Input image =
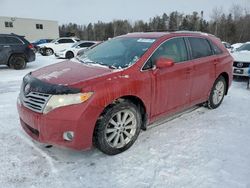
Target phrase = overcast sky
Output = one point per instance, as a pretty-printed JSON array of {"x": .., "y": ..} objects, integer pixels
[{"x": 85, "y": 11}]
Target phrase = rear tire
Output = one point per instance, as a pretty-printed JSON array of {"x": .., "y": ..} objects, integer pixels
[
  {"x": 49, "y": 51},
  {"x": 17, "y": 62},
  {"x": 117, "y": 128},
  {"x": 217, "y": 93},
  {"x": 69, "y": 55}
]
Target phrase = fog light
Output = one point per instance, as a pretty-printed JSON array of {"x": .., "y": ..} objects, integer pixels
[{"x": 69, "y": 135}]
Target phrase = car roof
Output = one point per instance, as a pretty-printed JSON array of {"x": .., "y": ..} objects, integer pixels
[
  {"x": 10, "y": 35},
  {"x": 157, "y": 35}
]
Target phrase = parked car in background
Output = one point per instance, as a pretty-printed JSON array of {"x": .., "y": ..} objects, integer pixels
[
  {"x": 227, "y": 46},
  {"x": 236, "y": 46},
  {"x": 15, "y": 51},
  {"x": 241, "y": 57},
  {"x": 40, "y": 41},
  {"x": 57, "y": 45},
  {"x": 121, "y": 86},
  {"x": 82, "y": 51},
  {"x": 71, "y": 52}
]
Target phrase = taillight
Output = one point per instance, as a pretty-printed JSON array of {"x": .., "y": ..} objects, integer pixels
[{"x": 31, "y": 46}]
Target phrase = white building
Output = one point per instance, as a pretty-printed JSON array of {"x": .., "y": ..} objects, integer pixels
[{"x": 32, "y": 29}]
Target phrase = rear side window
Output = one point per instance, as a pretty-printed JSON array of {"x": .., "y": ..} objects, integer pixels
[
  {"x": 13, "y": 40},
  {"x": 199, "y": 47},
  {"x": 86, "y": 44}
]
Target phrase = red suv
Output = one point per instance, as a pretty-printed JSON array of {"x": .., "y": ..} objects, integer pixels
[{"x": 122, "y": 86}]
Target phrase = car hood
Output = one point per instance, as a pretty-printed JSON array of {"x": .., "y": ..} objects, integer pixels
[
  {"x": 70, "y": 73},
  {"x": 241, "y": 56}
]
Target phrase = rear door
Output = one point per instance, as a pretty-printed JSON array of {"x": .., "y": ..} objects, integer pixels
[
  {"x": 4, "y": 50},
  {"x": 204, "y": 68},
  {"x": 171, "y": 85}
]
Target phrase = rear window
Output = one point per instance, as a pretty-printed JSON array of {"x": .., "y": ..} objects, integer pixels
[
  {"x": 199, "y": 47},
  {"x": 13, "y": 40}
]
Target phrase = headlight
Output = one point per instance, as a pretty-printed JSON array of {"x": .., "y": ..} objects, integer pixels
[
  {"x": 64, "y": 100},
  {"x": 63, "y": 50}
]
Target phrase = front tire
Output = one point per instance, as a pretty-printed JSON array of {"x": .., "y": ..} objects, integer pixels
[
  {"x": 117, "y": 128},
  {"x": 69, "y": 55},
  {"x": 217, "y": 93}
]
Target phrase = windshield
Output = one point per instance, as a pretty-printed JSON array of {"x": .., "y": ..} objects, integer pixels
[
  {"x": 75, "y": 44},
  {"x": 53, "y": 41},
  {"x": 244, "y": 47},
  {"x": 118, "y": 52}
]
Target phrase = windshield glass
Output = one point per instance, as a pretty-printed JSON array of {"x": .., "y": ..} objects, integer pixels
[
  {"x": 118, "y": 52},
  {"x": 53, "y": 41},
  {"x": 75, "y": 44},
  {"x": 244, "y": 47}
]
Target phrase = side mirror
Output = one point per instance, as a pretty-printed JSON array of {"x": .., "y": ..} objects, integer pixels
[
  {"x": 56, "y": 43},
  {"x": 163, "y": 62}
]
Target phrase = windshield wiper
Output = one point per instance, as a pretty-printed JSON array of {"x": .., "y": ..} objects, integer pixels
[{"x": 96, "y": 62}]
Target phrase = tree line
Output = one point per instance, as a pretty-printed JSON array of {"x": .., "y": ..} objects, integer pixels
[{"x": 232, "y": 27}]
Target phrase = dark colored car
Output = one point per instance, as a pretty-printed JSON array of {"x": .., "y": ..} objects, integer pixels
[
  {"x": 121, "y": 86},
  {"x": 15, "y": 51}
]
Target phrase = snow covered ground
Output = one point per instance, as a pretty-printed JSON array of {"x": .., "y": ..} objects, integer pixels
[{"x": 201, "y": 148}]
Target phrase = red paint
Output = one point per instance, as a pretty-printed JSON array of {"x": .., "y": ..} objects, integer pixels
[{"x": 164, "y": 90}]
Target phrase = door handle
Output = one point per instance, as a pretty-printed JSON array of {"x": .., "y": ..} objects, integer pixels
[
  {"x": 216, "y": 61},
  {"x": 6, "y": 46}
]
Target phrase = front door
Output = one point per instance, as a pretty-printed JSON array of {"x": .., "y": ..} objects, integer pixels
[{"x": 171, "y": 85}]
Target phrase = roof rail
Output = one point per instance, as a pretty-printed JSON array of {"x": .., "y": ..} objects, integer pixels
[{"x": 193, "y": 32}]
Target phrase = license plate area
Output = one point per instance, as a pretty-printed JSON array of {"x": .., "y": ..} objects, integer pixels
[{"x": 238, "y": 71}]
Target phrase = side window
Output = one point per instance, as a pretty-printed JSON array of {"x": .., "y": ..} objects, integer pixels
[
  {"x": 13, "y": 40},
  {"x": 2, "y": 41},
  {"x": 174, "y": 49},
  {"x": 199, "y": 47},
  {"x": 216, "y": 49},
  {"x": 59, "y": 41},
  {"x": 66, "y": 41},
  {"x": 86, "y": 44}
]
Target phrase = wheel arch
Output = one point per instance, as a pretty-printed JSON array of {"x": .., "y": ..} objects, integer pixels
[
  {"x": 226, "y": 77},
  {"x": 16, "y": 54},
  {"x": 135, "y": 100}
]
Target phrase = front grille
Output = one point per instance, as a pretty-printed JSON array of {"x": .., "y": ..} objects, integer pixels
[
  {"x": 35, "y": 101},
  {"x": 241, "y": 64}
]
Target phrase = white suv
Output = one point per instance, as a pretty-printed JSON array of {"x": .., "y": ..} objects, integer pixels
[
  {"x": 72, "y": 51},
  {"x": 241, "y": 66},
  {"x": 57, "y": 45}
]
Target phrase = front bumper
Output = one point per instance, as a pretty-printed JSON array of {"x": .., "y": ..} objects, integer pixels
[
  {"x": 241, "y": 71},
  {"x": 60, "y": 54},
  {"x": 49, "y": 128}
]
